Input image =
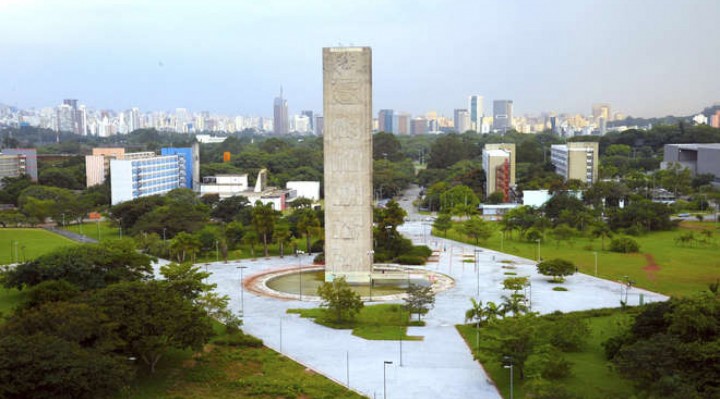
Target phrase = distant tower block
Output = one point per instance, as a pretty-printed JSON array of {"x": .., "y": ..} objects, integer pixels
[{"x": 347, "y": 105}]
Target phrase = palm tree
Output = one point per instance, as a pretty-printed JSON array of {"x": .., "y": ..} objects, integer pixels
[
  {"x": 515, "y": 304},
  {"x": 603, "y": 231},
  {"x": 263, "y": 220},
  {"x": 493, "y": 311},
  {"x": 282, "y": 235},
  {"x": 250, "y": 238},
  {"x": 308, "y": 224},
  {"x": 476, "y": 313}
]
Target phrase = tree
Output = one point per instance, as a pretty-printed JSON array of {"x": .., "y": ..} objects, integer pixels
[
  {"x": 282, "y": 235},
  {"x": 185, "y": 246},
  {"x": 38, "y": 210},
  {"x": 443, "y": 223},
  {"x": 88, "y": 266},
  {"x": 387, "y": 147},
  {"x": 263, "y": 219},
  {"x": 447, "y": 150},
  {"x": 477, "y": 228},
  {"x": 514, "y": 304},
  {"x": 563, "y": 232},
  {"x": 186, "y": 279},
  {"x": 624, "y": 245},
  {"x": 308, "y": 225},
  {"x": 340, "y": 300},
  {"x": 152, "y": 318},
  {"x": 517, "y": 341},
  {"x": 419, "y": 299},
  {"x": 557, "y": 268},
  {"x": 227, "y": 209},
  {"x": 602, "y": 231},
  {"x": 45, "y": 366},
  {"x": 476, "y": 313},
  {"x": 515, "y": 284}
]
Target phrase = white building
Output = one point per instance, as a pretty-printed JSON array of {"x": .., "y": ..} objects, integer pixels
[
  {"x": 144, "y": 174},
  {"x": 225, "y": 186},
  {"x": 305, "y": 189},
  {"x": 208, "y": 139}
]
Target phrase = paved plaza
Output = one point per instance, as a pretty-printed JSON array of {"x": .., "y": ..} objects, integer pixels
[{"x": 440, "y": 365}]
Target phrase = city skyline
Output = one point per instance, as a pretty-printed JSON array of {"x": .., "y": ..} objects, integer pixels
[{"x": 230, "y": 58}]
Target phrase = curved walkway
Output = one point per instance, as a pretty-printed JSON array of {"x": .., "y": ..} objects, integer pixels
[{"x": 441, "y": 365}]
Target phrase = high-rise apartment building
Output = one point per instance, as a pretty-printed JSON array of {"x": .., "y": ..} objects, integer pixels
[
  {"x": 502, "y": 115},
  {"x": 385, "y": 120},
  {"x": 499, "y": 166},
  {"x": 601, "y": 111},
  {"x": 280, "y": 115},
  {"x": 576, "y": 160},
  {"x": 418, "y": 126},
  {"x": 28, "y": 158},
  {"x": 401, "y": 124},
  {"x": 97, "y": 165},
  {"x": 461, "y": 120},
  {"x": 191, "y": 164},
  {"x": 475, "y": 107}
]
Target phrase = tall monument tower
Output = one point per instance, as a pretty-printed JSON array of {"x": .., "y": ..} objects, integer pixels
[{"x": 347, "y": 107}]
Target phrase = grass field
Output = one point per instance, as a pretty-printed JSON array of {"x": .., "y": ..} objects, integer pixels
[
  {"x": 682, "y": 270},
  {"x": 376, "y": 322},
  {"x": 232, "y": 368},
  {"x": 591, "y": 376},
  {"x": 105, "y": 230},
  {"x": 31, "y": 243}
]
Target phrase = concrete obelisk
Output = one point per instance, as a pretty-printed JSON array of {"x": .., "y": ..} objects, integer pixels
[{"x": 347, "y": 108}]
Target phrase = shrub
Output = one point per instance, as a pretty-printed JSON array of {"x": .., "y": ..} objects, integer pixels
[
  {"x": 410, "y": 260},
  {"x": 548, "y": 363},
  {"x": 624, "y": 245},
  {"x": 319, "y": 258},
  {"x": 318, "y": 246},
  {"x": 239, "y": 339},
  {"x": 420, "y": 250},
  {"x": 559, "y": 289}
]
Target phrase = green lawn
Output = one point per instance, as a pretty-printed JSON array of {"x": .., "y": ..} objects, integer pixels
[
  {"x": 232, "y": 368},
  {"x": 376, "y": 322},
  {"x": 591, "y": 376},
  {"x": 31, "y": 243},
  {"x": 90, "y": 229},
  {"x": 682, "y": 270}
]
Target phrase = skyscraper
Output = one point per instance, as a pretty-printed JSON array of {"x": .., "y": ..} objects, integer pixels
[
  {"x": 309, "y": 114},
  {"x": 475, "y": 107},
  {"x": 462, "y": 120},
  {"x": 385, "y": 120},
  {"x": 601, "y": 111},
  {"x": 280, "y": 115},
  {"x": 502, "y": 115}
]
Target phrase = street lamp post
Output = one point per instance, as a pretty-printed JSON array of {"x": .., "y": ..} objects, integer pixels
[
  {"x": 477, "y": 271},
  {"x": 242, "y": 291},
  {"x": 385, "y": 363},
  {"x": 371, "y": 255},
  {"x": 596, "y": 267},
  {"x": 299, "y": 252},
  {"x": 511, "y": 380},
  {"x": 502, "y": 242},
  {"x": 538, "y": 251},
  {"x": 217, "y": 253},
  {"x": 164, "y": 237}
]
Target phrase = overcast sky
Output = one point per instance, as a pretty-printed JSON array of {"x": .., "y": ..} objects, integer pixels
[{"x": 644, "y": 57}]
